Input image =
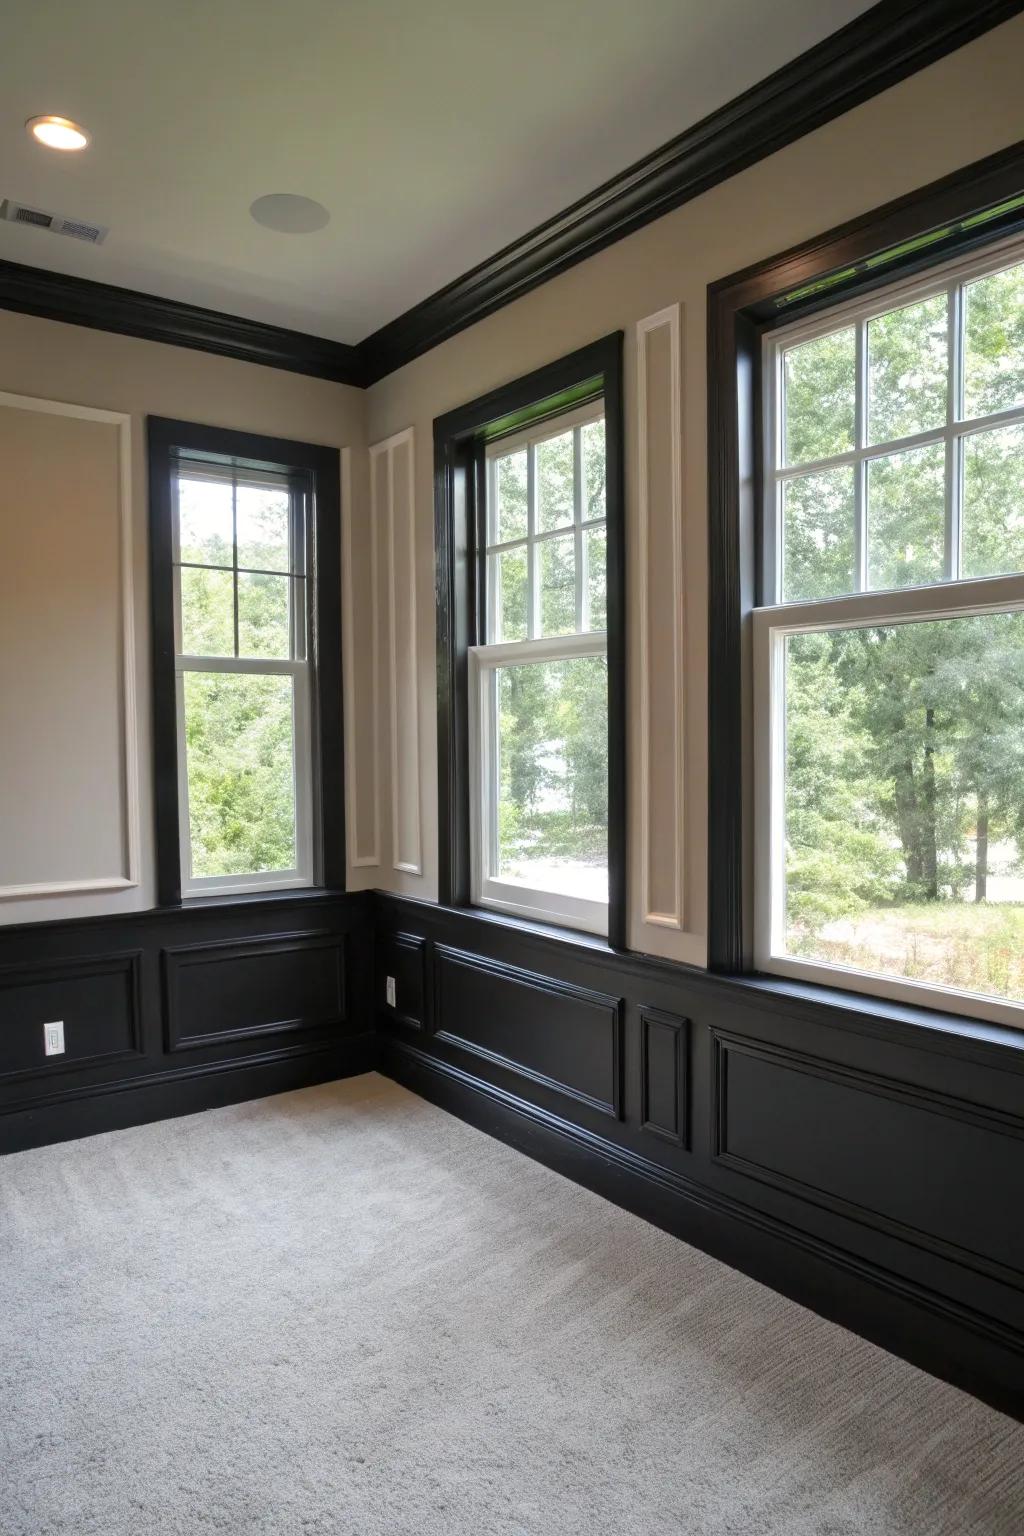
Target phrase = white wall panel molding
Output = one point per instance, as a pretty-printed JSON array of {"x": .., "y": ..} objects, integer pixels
[
  {"x": 393, "y": 460},
  {"x": 661, "y": 618},
  {"x": 129, "y": 875},
  {"x": 361, "y": 621}
]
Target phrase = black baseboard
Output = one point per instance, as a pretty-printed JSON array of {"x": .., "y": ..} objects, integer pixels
[
  {"x": 951, "y": 1342},
  {"x": 167, "y": 1095}
]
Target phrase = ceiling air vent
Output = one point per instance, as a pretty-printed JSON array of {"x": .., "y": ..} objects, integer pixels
[{"x": 58, "y": 224}]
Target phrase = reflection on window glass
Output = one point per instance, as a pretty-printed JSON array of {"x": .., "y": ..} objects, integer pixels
[
  {"x": 555, "y": 494},
  {"x": 207, "y": 612},
  {"x": 907, "y": 370},
  {"x": 264, "y": 615},
  {"x": 507, "y": 595},
  {"x": 263, "y": 517},
  {"x": 906, "y": 517},
  {"x": 594, "y": 470},
  {"x": 558, "y": 585},
  {"x": 994, "y": 343},
  {"x": 509, "y": 516},
  {"x": 553, "y": 776},
  {"x": 205, "y": 535},
  {"x": 993, "y": 514},
  {"x": 904, "y": 758},
  {"x": 820, "y": 397},
  {"x": 596, "y": 541},
  {"x": 239, "y": 743},
  {"x": 818, "y": 535}
]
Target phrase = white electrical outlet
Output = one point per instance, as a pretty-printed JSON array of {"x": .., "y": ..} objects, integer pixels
[
  {"x": 391, "y": 993},
  {"x": 53, "y": 1038}
]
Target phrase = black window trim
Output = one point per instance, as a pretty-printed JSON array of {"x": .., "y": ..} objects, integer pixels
[
  {"x": 459, "y": 441},
  {"x": 742, "y": 308},
  {"x": 168, "y": 439}
]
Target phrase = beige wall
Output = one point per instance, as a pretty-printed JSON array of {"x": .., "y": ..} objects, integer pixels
[
  {"x": 65, "y": 810},
  {"x": 958, "y": 110}
]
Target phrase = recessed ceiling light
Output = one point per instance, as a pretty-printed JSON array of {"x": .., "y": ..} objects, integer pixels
[
  {"x": 58, "y": 132},
  {"x": 289, "y": 214}
]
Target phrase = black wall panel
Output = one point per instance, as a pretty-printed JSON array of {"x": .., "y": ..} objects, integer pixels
[
  {"x": 562, "y": 1037},
  {"x": 882, "y": 1151},
  {"x": 231, "y": 990},
  {"x": 869, "y": 1165},
  {"x": 169, "y": 1011},
  {"x": 97, "y": 1000}
]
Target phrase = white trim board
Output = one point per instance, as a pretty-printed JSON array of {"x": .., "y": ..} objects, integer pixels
[
  {"x": 353, "y": 715},
  {"x": 668, "y": 396},
  {"x": 130, "y": 874},
  {"x": 406, "y": 788}
]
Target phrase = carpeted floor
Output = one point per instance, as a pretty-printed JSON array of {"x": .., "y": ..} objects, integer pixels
[{"x": 343, "y": 1311}]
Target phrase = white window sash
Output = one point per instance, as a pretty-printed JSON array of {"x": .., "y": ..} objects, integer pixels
[
  {"x": 949, "y": 278},
  {"x": 304, "y": 873},
  {"x": 771, "y": 627},
  {"x": 487, "y": 889}
]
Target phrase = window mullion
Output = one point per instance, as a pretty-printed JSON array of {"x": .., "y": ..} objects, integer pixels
[
  {"x": 532, "y": 567},
  {"x": 954, "y": 440},
  {"x": 860, "y": 471},
  {"x": 234, "y": 553},
  {"x": 577, "y": 528}
]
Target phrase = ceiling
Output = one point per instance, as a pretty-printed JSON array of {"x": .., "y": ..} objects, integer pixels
[{"x": 434, "y": 133}]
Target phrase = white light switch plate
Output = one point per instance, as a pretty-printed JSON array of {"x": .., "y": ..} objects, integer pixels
[
  {"x": 53, "y": 1038},
  {"x": 391, "y": 993}
]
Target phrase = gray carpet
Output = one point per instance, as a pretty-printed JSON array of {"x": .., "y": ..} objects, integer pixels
[{"x": 342, "y": 1311}]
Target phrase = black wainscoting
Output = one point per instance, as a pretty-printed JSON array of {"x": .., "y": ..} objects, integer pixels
[
  {"x": 179, "y": 1009},
  {"x": 866, "y": 1163}
]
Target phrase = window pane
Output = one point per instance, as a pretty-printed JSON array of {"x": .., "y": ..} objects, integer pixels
[
  {"x": 555, "y": 482},
  {"x": 994, "y": 343},
  {"x": 907, "y": 370},
  {"x": 820, "y": 397},
  {"x": 994, "y": 502},
  {"x": 818, "y": 535},
  {"x": 906, "y": 517},
  {"x": 904, "y": 761},
  {"x": 552, "y": 797},
  {"x": 596, "y": 547},
  {"x": 506, "y": 595},
  {"x": 207, "y": 612},
  {"x": 204, "y": 521},
  {"x": 263, "y": 527},
  {"x": 240, "y": 744},
  {"x": 509, "y": 516},
  {"x": 557, "y": 585},
  {"x": 264, "y": 615},
  {"x": 593, "y": 441}
]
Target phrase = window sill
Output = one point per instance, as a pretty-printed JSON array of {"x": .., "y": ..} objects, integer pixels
[
  {"x": 840, "y": 1005},
  {"x": 281, "y": 896}
]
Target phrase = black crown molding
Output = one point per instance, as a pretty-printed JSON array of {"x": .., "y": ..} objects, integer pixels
[
  {"x": 887, "y": 43},
  {"x": 884, "y": 45},
  {"x": 103, "y": 307}
]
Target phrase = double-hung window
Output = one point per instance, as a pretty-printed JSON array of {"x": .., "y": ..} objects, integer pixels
[
  {"x": 245, "y": 565},
  {"x": 539, "y": 681},
  {"x": 243, "y": 678},
  {"x": 889, "y": 650}
]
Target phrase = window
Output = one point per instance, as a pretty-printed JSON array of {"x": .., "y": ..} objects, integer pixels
[
  {"x": 889, "y": 655},
  {"x": 531, "y": 656},
  {"x": 235, "y": 567},
  {"x": 539, "y": 685}
]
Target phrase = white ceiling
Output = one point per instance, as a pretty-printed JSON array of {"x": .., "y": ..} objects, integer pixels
[{"x": 435, "y": 131}]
